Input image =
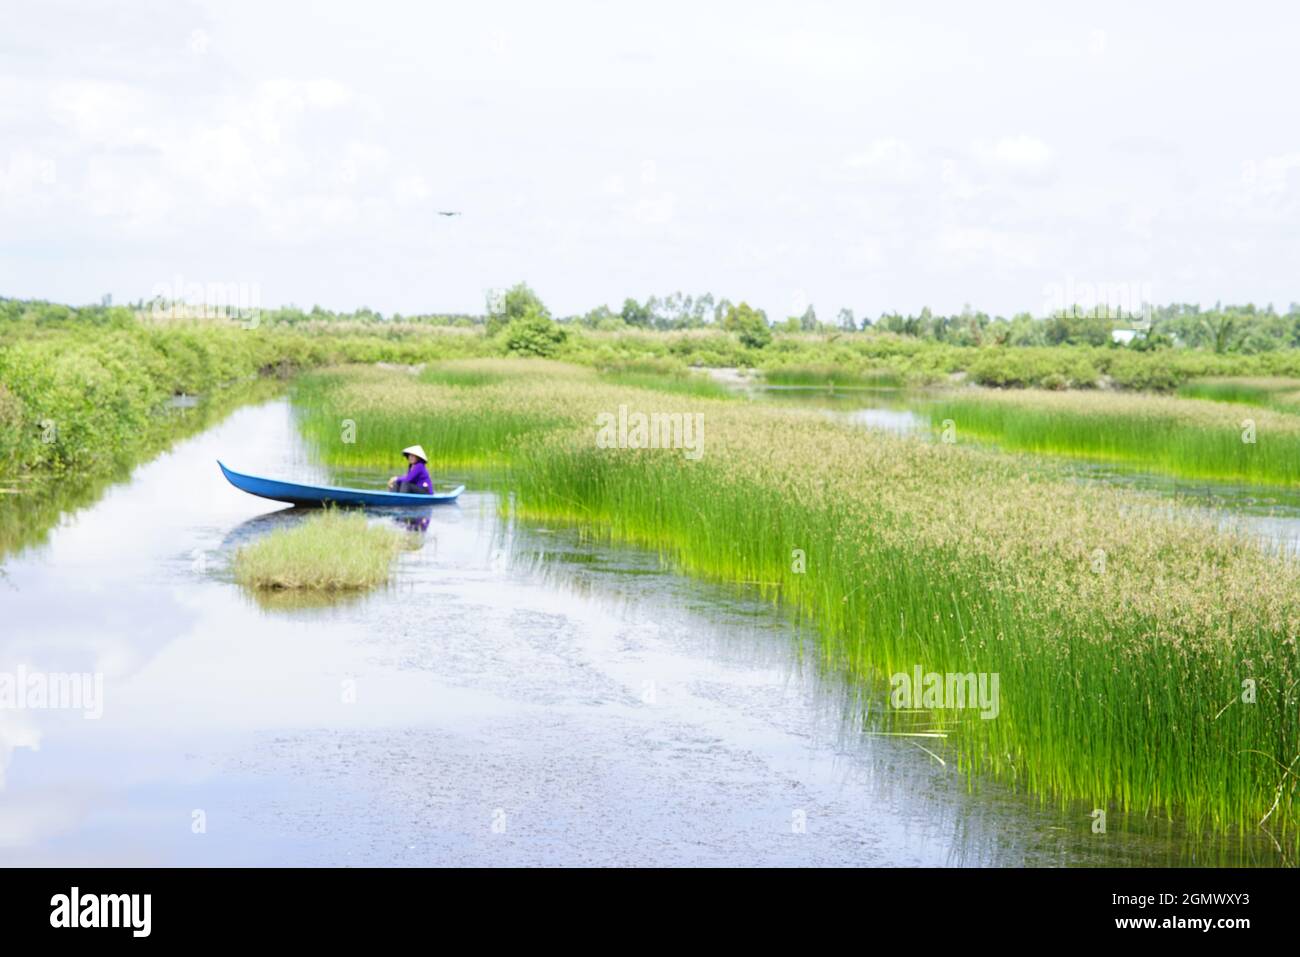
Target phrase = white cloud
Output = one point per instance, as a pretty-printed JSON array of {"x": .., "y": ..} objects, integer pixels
[
  {"x": 886, "y": 157},
  {"x": 652, "y": 210},
  {"x": 411, "y": 189},
  {"x": 990, "y": 247},
  {"x": 106, "y": 114},
  {"x": 1271, "y": 175},
  {"x": 1021, "y": 154},
  {"x": 868, "y": 252}
]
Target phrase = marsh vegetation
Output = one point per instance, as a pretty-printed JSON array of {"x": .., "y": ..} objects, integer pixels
[
  {"x": 1122, "y": 656},
  {"x": 327, "y": 551},
  {"x": 1147, "y": 658}
]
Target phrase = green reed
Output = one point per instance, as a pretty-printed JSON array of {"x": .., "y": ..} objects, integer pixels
[
  {"x": 1121, "y": 687},
  {"x": 1148, "y": 433},
  {"x": 329, "y": 551}
]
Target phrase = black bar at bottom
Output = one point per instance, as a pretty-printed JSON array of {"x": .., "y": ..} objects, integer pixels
[{"x": 334, "y": 907}]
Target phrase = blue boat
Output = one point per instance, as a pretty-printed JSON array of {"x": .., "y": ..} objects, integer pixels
[{"x": 330, "y": 495}]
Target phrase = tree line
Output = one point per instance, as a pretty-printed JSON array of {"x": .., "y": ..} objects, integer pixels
[{"x": 1220, "y": 329}]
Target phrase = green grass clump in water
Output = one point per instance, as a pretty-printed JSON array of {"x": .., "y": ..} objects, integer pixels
[
  {"x": 1174, "y": 436},
  {"x": 329, "y": 551},
  {"x": 1120, "y": 684}
]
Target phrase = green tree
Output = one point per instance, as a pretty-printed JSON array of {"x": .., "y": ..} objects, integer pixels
[
  {"x": 598, "y": 316},
  {"x": 1079, "y": 327},
  {"x": 635, "y": 314},
  {"x": 750, "y": 325},
  {"x": 702, "y": 311},
  {"x": 1025, "y": 330},
  {"x": 515, "y": 303},
  {"x": 1225, "y": 329},
  {"x": 534, "y": 334}
]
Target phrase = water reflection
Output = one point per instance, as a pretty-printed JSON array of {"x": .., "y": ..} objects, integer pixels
[
  {"x": 30, "y": 507},
  {"x": 1269, "y": 515},
  {"x": 980, "y": 823},
  {"x": 413, "y": 519},
  {"x": 407, "y": 519},
  {"x": 890, "y": 410}
]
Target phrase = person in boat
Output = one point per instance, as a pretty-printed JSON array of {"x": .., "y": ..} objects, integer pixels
[{"x": 416, "y": 480}]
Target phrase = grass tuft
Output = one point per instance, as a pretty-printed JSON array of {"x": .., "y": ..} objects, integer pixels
[{"x": 329, "y": 551}]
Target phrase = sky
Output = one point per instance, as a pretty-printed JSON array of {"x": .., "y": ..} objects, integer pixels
[{"x": 874, "y": 156}]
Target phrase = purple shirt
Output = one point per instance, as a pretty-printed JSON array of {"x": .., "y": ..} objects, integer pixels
[{"x": 420, "y": 476}]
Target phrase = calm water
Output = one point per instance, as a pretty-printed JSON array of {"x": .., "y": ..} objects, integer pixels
[{"x": 522, "y": 695}]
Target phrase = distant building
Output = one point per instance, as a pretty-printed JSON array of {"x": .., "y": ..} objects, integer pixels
[{"x": 1123, "y": 336}]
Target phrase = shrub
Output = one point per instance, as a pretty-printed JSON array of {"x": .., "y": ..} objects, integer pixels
[
  {"x": 1148, "y": 371},
  {"x": 518, "y": 302},
  {"x": 534, "y": 335}
]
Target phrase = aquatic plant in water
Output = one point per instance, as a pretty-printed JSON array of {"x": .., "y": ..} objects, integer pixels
[{"x": 1146, "y": 661}]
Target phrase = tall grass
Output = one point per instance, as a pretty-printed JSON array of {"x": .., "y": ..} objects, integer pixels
[
  {"x": 1277, "y": 393},
  {"x": 1183, "y": 437},
  {"x": 1120, "y": 684},
  {"x": 473, "y": 372},
  {"x": 328, "y": 551},
  {"x": 833, "y": 376},
  {"x": 697, "y": 386},
  {"x": 468, "y": 425},
  {"x": 664, "y": 376},
  {"x": 364, "y": 417}
]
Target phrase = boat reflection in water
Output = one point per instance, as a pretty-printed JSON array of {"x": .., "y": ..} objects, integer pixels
[
  {"x": 414, "y": 520},
  {"x": 408, "y": 519}
]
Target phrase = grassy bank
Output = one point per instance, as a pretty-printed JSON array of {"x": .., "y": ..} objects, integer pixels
[
  {"x": 327, "y": 552},
  {"x": 33, "y": 503},
  {"x": 1121, "y": 656},
  {"x": 91, "y": 399},
  {"x": 819, "y": 359},
  {"x": 1182, "y": 437}
]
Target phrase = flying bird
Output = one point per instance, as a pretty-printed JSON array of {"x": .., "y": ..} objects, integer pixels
[{"x": 443, "y": 212}]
